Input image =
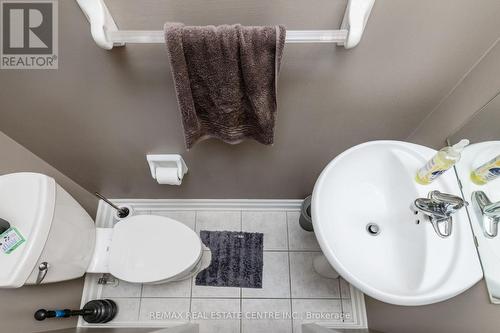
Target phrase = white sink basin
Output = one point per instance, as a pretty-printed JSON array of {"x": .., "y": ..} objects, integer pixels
[
  {"x": 406, "y": 263},
  {"x": 489, "y": 248}
]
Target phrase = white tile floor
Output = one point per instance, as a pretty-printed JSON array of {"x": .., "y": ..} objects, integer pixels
[{"x": 292, "y": 294}]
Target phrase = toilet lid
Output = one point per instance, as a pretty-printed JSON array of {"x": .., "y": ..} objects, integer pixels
[{"x": 150, "y": 248}]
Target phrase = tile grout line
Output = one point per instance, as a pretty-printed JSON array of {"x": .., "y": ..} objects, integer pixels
[
  {"x": 289, "y": 269},
  {"x": 341, "y": 301},
  {"x": 293, "y": 251},
  {"x": 140, "y": 303},
  {"x": 142, "y": 288},
  {"x": 228, "y": 297},
  {"x": 191, "y": 280},
  {"x": 145, "y": 212},
  {"x": 241, "y": 291}
]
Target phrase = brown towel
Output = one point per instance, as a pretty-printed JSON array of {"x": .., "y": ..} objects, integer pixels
[{"x": 225, "y": 80}]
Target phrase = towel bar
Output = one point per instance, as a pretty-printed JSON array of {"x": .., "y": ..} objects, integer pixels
[
  {"x": 292, "y": 36},
  {"x": 107, "y": 35}
]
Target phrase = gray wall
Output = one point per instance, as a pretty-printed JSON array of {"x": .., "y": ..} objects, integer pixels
[
  {"x": 16, "y": 158},
  {"x": 470, "y": 311},
  {"x": 483, "y": 126},
  {"x": 477, "y": 87},
  {"x": 98, "y": 115},
  {"x": 17, "y": 306},
  {"x": 466, "y": 313}
]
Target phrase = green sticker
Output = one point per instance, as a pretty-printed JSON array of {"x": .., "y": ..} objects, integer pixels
[{"x": 10, "y": 240}]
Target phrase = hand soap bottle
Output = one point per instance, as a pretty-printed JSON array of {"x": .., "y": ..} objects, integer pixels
[
  {"x": 442, "y": 161},
  {"x": 486, "y": 172}
]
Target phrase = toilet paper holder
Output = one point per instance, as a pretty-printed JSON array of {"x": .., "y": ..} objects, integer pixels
[{"x": 167, "y": 161}]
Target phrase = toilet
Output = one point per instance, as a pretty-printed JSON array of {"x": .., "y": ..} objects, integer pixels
[
  {"x": 52, "y": 238},
  {"x": 147, "y": 249}
]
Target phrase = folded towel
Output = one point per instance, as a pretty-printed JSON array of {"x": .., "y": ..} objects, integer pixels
[{"x": 225, "y": 80}]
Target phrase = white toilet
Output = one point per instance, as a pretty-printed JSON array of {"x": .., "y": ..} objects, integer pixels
[{"x": 61, "y": 241}]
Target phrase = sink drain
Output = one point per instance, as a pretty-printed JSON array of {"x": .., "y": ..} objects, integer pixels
[{"x": 373, "y": 229}]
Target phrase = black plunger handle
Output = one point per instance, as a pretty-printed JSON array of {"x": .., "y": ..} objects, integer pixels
[
  {"x": 122, "y": 211},
  {"x": 43, "y": 314}
]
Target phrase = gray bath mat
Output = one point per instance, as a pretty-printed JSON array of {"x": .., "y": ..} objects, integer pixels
[{"x": 237, "y": 259}]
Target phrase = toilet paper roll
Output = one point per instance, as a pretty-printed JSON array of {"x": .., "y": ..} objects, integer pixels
[{"x": 168, "y": 176}]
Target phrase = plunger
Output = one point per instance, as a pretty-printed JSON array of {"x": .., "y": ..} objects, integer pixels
[
  {"x": 94, "y": 312},
  {"x": 122, "y": 212}
]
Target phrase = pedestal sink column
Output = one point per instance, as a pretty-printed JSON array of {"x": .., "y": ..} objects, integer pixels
[{"x": 323, "y": 267}]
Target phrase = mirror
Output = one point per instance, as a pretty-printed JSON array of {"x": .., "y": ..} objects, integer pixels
[{"x": 483, "y": 130}]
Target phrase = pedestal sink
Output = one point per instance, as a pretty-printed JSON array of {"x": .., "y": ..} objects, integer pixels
[{"x": 368, "y": 233}]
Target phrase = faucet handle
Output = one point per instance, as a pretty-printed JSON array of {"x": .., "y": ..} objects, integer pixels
[
  {"x": 489, "y": 210},
  {"x": 438, "y": 208},
  {"x": 493, "y": 210},
  {"x": 449, "y": 202}
]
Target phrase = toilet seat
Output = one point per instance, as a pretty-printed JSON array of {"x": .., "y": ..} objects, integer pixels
[{"x": 150, "y": 249}]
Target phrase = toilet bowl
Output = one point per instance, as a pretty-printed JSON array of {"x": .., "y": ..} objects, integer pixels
[
  {"x": 52, "y": 238},
  {"x": 147, "y": 249}
]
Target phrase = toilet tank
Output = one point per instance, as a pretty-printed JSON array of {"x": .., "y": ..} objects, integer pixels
[{"x": 55, "y": 229}]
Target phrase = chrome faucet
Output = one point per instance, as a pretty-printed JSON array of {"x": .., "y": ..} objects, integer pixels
[
  {"x": 487, "y": 212},
  {"x": 438, "y": 209}
]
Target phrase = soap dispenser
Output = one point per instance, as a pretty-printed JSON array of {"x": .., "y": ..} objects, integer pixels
[
  {"x": 442, "y": 161},
  {"x": 486, "y": 172}
]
